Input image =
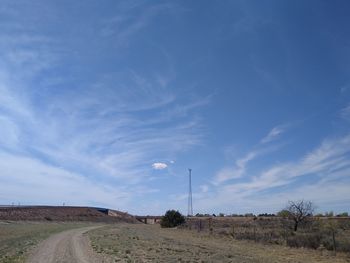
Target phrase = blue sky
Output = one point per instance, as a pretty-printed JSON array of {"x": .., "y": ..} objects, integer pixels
[{"x": 108, "y": 103}]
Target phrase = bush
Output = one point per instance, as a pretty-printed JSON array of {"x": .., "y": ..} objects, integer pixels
[
  {"x": 283, "y": 213},
  {"x": 172, "y": 218},
  {"x": 319, "y": 215},
  {"x": 344, "y": 214},
  {"x": 305, "y": 240},
  {"x": 266, "y": 215}
]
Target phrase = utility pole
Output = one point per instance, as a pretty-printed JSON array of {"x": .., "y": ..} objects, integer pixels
[{"x": 190, "y": 208}]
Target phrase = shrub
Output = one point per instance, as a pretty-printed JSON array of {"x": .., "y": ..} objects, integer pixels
[
  {"x": 266, "y": 215},
  {"x": 172, "y": 218},
  {"x": 305, "y": 240},
  {"x": 344, "y": 214},
  {"x": 283, "y": 213}
]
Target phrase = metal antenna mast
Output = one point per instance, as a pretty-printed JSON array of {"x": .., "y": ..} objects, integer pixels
[{"x": 190, "y": 208}]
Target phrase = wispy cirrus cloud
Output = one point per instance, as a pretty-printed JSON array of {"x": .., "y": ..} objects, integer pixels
[
  {"x": 240, "y": 166},
  {"x": 131, "y": 19},
  {"x": 345, "y": 113},
  {"x": 274, "y": 134},
  {"x": 320, "y": 175},
  {"x": 30, "y": 181},
  {"x": 237, "y": 171},
  {"x": 100, "y": 133}
]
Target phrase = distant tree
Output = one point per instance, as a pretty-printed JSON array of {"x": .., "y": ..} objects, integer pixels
[
  {"x": 344, "y": 214},
  {"x": 298, "y": 211},
  {"x": 249, "y": 215},
  {"x": 283, "y": 213},
  {"x": 329, "y": 214},
  {"x": 221, "y": 214},
  {"x": 234, "y": 215},
  {"x": 266, "y": 215},
  {"x": 319, "y": 215},
  {"x": 172, "y": 218}
]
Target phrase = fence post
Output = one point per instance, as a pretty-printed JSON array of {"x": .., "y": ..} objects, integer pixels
[
  {"x": 334, "y": 243},
  {"x": 200, "y": 225},
  {"x": 255, "y": 233},
  {"x": 210, "y": 226}
]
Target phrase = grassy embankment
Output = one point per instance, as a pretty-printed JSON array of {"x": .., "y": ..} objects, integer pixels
[{"x": 18, "y": 238}]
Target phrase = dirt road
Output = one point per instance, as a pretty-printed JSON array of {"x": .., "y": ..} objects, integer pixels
[{"x": 68, "y": 246}]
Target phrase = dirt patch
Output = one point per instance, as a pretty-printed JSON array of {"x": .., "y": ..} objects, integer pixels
[
  {"x": 17, "y": 238},
  {"x": 65, "y": 247}
]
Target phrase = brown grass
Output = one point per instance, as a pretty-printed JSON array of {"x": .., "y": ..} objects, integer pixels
[
  {"x": 314, "y": 233},
  {"x": 150, "y": 243},
  {"x": 62, "y": 213}
]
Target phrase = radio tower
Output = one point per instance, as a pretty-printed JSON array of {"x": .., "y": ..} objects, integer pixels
[{"x": 190, "y": 208}]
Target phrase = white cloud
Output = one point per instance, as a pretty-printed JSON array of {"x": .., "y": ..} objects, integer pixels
[
  {"x": 331, "y": 155},
  {"x": 9, "y": 134},
  {"x": 240, "y": 166},
  {"x": 329, "y": 164},
  {"x": 345, "y": 113},
  {"x": 235, "y": 172},
  {"x": 344, "y": 89},
  {"x": 159, "y": 166},
  {"x": 34, "y": 182},
  {"x": 273, "y": 134},
  {"x": 204, "y": 188},
  {"x": 94, "y": 129},
  {"x": 123, "y": 26}
]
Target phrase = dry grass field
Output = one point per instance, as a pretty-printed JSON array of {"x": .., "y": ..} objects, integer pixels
[
  {"x": 123, "y": 242},
  {"x": 18, "y": 238},
  {"x": 150, "y": 243},
  {"x": 314, "y": 233}
]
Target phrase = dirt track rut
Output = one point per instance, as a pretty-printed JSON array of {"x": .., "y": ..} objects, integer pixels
[{"x": 66, "y": 247}]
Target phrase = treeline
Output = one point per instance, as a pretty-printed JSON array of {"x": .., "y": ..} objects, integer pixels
[
  {"x": 331, "y": 214},
  {"x": 280, "y": 214}
]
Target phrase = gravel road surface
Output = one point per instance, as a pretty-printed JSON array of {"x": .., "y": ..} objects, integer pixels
[{"x": 70, "y": 246}]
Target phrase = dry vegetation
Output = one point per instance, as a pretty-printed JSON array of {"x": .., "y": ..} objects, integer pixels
[
  {"x": 201, "y": 239},
  {"x": 315, "y": 233},
  {"x": 18, "y": 238},
  {"x": 150, "y": 243},
  {"x": 62, "y": 213}
]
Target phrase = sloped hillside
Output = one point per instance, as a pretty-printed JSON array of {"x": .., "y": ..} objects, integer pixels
[{"x": 62, "y": 213}]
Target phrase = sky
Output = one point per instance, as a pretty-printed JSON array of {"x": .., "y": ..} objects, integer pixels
[{"x": 108, "y": 103}]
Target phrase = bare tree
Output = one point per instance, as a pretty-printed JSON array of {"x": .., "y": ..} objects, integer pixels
[{"x": 298, "y": 211}]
